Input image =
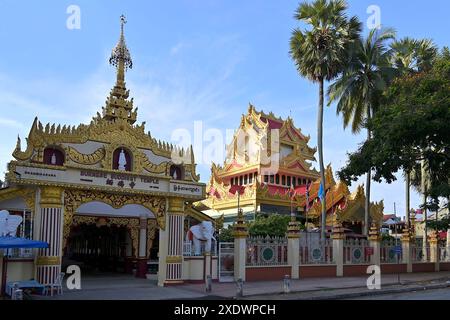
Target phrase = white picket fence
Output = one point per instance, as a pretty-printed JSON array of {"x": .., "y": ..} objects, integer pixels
[{"x": 266, "y": 251}]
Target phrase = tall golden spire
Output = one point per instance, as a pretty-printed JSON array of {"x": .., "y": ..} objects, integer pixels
[{"x": 118, "y": 106}]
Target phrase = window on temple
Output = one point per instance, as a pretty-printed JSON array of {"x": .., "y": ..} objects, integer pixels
[
  {"x": 241, "y": 180},
  {"x": 122, "y": 160},
  {"x": 294, "y": 182},
  {"x": 288, "y": 180},
  {"x": 53, "y": 157},
  {"x": 250, "y": 179},
  {"x": 176, "y": 172},
  {"x": 266, "y": 178},
  {"x": 277, "y": 179},
  {"x": 299, "y": 181},
  {"x": 232, "y": 181},
  {"x": 245, "y": 179},
  {"x": 283, "y": 180},
  {"x": 272, "y": 178}
]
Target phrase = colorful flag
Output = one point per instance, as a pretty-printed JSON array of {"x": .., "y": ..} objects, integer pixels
[{"x": 321, "y": 193}]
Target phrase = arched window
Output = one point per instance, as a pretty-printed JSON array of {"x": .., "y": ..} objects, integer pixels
[
  {"x": 176, "y": 172},
  {"x": 241, "y": 180},
  {"x": 277, "y": 179},
  {"x": 289, "y": 181},
  {"x": 283, "y": 180},
  {"x": 122, "y": 160},
  {"x": 245, "y": 179},
  {"x": 266, "y": 178},
  {"x": 272, "y": 178},
  {"x": 250, "y": 178},
  {"x": 53, "y": 157}
]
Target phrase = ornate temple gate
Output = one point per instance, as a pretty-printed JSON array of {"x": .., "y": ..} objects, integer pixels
[{"x": 58, "y": 208}]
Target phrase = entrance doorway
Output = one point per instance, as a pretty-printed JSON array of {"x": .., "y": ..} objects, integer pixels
[{"x": 98, "y": 249}]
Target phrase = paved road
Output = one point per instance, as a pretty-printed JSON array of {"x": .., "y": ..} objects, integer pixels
[{"x": 437, "y": 294}]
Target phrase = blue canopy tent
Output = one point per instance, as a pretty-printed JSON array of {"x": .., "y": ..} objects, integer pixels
[{"x": 14, "y": 242}]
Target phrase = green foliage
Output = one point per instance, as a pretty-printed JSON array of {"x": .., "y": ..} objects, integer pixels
[
  {"x": 386, "y": 237},
  {"x": 410, "y": 125},
  {"x": 320, "y": 51},
  {"x": 440, "y": 225},
  {"x": 226, "y": 234},
  {"x": 274, "y": 225}
]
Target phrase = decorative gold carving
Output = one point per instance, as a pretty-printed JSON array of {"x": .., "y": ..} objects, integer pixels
[
  {"x": 51, "y": 197},
  {"x": 174, "y": 259},
  {"x": 48, "y": 261},
  {"x": 22, "y": 155},
  {"x": 374, "y": 234},
  {"x": 151, "y": 233},
  {"x": 176, "y": 205},
  {"x": 240, "y": 229},
  {"x": 85, "y": 159},
  {"x": 28, "y": 195},
  {"x": 74, "y": 198}
]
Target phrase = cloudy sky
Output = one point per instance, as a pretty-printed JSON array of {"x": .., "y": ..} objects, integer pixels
[{"x": 194, "y": 60}]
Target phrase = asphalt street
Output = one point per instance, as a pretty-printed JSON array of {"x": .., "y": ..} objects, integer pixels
[{"x": 436, "y": 294}]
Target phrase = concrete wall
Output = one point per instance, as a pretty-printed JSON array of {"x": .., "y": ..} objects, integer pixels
[
  {"x": 20, "y": 270},
  {"x": 317, "y": 271},
  {"x": 267, "y": 273},
  {"x": 194, "y": 269}
]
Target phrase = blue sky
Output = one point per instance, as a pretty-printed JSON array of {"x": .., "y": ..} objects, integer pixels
[{"x": 193, "y": 60}]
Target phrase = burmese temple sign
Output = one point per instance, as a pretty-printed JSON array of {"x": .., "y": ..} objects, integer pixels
[{"x": 107, "y": 192}]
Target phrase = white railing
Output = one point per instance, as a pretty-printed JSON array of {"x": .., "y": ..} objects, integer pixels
[
  {"x": 189, "y": 249},
  {"x": 19, "y": 253},
  {"x": 266, "y": 251},
  {"x": 356, "y": 251},
  {"x": 444, "y": 254},
  {"x": 420, "y": 253},
  {"x": 316, "y": 252},
  {"x": 389, "y": 252}
]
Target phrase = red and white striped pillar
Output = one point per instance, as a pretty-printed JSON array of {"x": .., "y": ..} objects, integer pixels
[
  {"x": 172, "y": 243},
  {"x": 48, "y": 261}
]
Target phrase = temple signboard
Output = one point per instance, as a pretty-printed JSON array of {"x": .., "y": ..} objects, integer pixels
[{"x": 97, "y": 178}]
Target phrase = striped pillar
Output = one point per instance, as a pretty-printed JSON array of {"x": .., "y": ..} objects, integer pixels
[
  {"x": 175, "y": 238},
  {"x": 48, "y": 261}
]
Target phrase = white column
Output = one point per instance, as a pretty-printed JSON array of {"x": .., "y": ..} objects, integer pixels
[
  {"x": 338, "y": 248},
  {"x": 171, "y": 245},
  {"x": 48, "y": 261},
  {"x": 293, "y": 235}
]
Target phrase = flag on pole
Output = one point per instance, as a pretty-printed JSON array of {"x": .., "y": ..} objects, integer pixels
[{"x": 321, "y": 193}]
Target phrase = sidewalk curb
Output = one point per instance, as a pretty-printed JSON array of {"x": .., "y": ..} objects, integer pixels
[
  {"x": 379, "y": 292},
  {"x": 416, "y": 287}
]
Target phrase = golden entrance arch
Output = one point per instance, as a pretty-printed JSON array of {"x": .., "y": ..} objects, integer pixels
[{"x": 73, "y": 199}]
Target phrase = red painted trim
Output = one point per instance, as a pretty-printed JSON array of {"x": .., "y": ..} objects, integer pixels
[
  {"x": 390, "y": 268},
  {"x": 423, "y": 267},
  {"x": 444, "y": 266},
  {"x": 322, "y": 271},
  {"x": 266, "y": 273},
  {"x": 355, "y": 270}
]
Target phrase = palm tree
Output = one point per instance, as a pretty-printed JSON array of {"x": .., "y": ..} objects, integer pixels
[
  {"x": 356, "y": 91},
  {"x": 411, "y": 56},
  {"x": 320, "y": 52}
]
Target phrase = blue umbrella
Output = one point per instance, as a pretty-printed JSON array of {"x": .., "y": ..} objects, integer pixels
[{"x": 14, "y": 242}]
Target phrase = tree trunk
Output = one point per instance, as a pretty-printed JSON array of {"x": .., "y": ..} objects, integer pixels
[
  {"x": 320, "y": 148},
  {"x": 424, "y": 209},
  {"x": 408, "y": 200},
  {"x": 368, "y": 180}
]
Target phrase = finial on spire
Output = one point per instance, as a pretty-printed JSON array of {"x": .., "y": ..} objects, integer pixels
[{"x": 120, "y": 56}]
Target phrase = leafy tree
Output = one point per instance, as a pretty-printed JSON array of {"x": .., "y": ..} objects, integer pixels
[
  {"x": 411, "y": 125},
  {"x": 273, "y": 225},
  {"x": 320, "y": 52},
  {"x": 358, "y": 88},
  {"x": 439, "y": 225},
  {"x": 226, "y": 234}
]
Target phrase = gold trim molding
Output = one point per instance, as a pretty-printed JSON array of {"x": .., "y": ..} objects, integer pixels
[{"x": 48, "y": 261}]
